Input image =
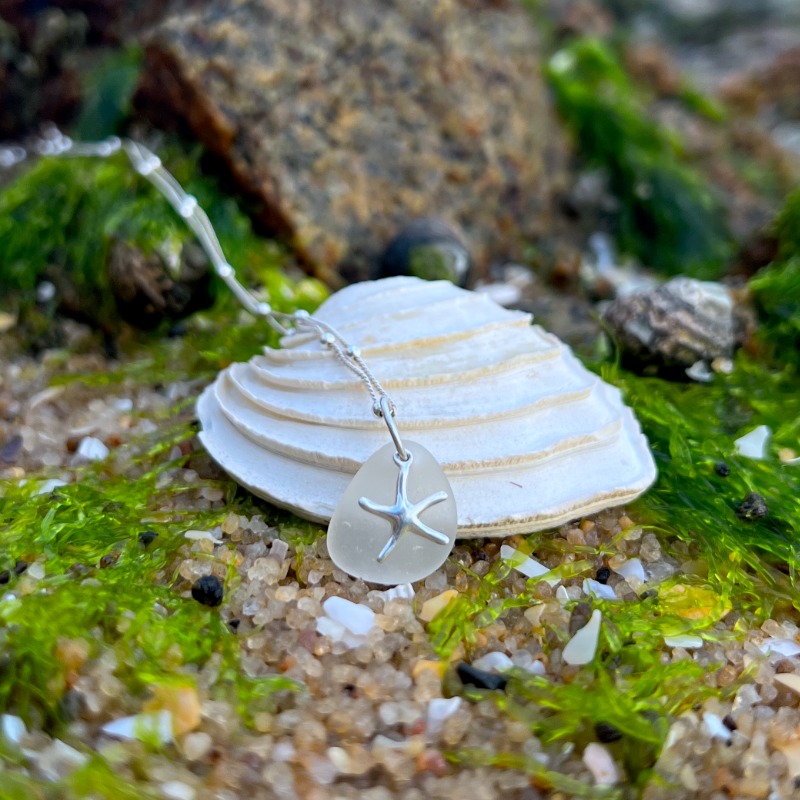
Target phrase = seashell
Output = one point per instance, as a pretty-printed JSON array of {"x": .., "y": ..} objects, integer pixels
[
  {"x": 676, "y": 324},
  {"x": 527, "y": 437}
]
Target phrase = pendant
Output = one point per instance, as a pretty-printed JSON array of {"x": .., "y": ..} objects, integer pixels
[{"x": 396, "y": 522}]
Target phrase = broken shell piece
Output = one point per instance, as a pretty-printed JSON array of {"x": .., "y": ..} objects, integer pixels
[
  {"x": 601, "y": 764},
  {"x": 678, "y": 324},
  {"x": 580, "y": 649},
  {"x": 527, "y": 437},
  {"x": 754, "y": 444},
  {"x": 684, "y": 640},
  {"x": 528, "y": 566}
]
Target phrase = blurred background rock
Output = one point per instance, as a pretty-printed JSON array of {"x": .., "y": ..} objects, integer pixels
[{"x": 575, "y": 150}]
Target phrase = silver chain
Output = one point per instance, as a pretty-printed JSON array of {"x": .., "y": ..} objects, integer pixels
[{"x": 149, "y": 166}]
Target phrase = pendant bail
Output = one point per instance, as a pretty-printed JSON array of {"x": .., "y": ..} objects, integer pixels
[{"x": 388, "y": 417}]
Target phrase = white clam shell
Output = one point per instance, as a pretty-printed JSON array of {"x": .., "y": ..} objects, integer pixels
[{"x": 527, "y": 437}]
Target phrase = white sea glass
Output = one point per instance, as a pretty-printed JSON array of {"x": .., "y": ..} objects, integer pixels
[{"x": 357, "y": 537}]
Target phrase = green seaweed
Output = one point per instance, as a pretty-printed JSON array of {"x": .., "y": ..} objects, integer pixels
[
  {"x": 151, "y": 629},
  {"x": 107, "y": 93},
  {"x": 776, "y": 288},
  {"x": 669, "y": 218},
  {"x": 60, "y": 218}
]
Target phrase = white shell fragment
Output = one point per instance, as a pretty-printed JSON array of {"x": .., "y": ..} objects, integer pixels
[
  {"x": 632, "y": 568},
  {"x": 602, "y": 590},
  {"x": 527, "y": 437},
  {"x": 754, "y": 444},
  {"x": 157, "y": 725},
  {"x": 601, "y": 764},
  {"x": 528, "y": 566},
  {"x": 580, "y": 649},
  {"x": 685, "y": 640}
]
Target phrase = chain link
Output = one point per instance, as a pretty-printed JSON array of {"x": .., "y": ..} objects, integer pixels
[{"x": 149, "y": 166}]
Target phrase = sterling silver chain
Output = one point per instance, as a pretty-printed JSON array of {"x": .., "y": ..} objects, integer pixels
[{"x": 149, "y": 166}]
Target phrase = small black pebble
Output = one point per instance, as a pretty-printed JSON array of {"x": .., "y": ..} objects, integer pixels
[
  {"x": 11, "y": 449},
  {"x": 349, "y": 688},
  {"x": 797, "y": 782},
  {"x": 145, "y": 537},
  {"x": 648, "y": 594},
  {"x": 722, "y": 469},
  {"x": 5, "y": 577},
  {"x": 729, "y": 722},
  {"x": 752, "y": 507},
  {"x": 20, "y": 567},
  {"x": 603, "y": 574},
  {"x": 477, "y": 677},
  {"x": 108, "y": 560},
  {"x": 606, "y": 732},
  {"x": 208, "y": 591},
  {"x": 234, "y": 624}
]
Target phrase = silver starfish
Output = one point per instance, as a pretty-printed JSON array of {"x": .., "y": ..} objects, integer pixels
[{"x": 403, "y": 515}]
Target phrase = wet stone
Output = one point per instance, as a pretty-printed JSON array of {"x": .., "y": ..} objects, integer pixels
[
  {"x": 606, "y": 732},
  {"x": 11, "y": 449},
  {"x": 603, "y": 574},
  {"x": 752, "y": 507},
  {"x": 5, "y": 577},
  {"x": 20, "y": 567},
  {"x": 722, "y": 469},
  {"x": 147, "y": 537},
  {"x": 208, "y": 591},
  {"x": 344, "y": 152},
  {"x": 471, "y": 676}
]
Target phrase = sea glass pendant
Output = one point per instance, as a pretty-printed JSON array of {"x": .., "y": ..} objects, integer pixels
[{"x": 396, "y": 522}]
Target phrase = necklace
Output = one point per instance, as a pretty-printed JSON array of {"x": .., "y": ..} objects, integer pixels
[{"x": 382, "y": 542}]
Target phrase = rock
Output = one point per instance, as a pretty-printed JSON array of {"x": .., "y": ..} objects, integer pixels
[
  {"x": 716, "y": 727},
  {"x": 430, "y": 608},
  {"x": 440, "y": 709},
  {"x": 607, "y": 733},
  {"x": 347, "y": 120},
  {"x": 147, "y": 537},
  {"x": 722, "y": 469},
  {"x": 208, "y": 590},
  {"x": 471, "y": 676},
  {"x": 428, "y": 249},
  {"x": 752, "y": 507},
  {"x": 359, "y": 619},
  {"x": 675, "y": 325},
  {"x": 790, "y": 680},
  {"x": 603, "y": 574},
  {"x": 493, "y": 662},
  {"x": 57, "y": 761},
  {"x": 11, "y": 449},
  {"x": 91, "y": 449},
  {"x": 147, "y": 291},
  {"x": 601, "y": 764}
]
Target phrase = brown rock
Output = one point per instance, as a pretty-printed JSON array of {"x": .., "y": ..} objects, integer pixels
[
  {"x": 654, "y": 65},
  {"x": 347, "y": 119}
]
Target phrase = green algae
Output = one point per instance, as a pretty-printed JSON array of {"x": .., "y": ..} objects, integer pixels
[
  {"x": 669, "y": 218},
  {"x": 776, "y": 288},
  {"x": 151, "y": 630},
  {"x": 60, "y": 219},
  {"x": 746, "y": 568}
]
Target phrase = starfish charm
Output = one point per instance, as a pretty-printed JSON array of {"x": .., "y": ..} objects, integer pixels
[{"x": 403, "y": 515}]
